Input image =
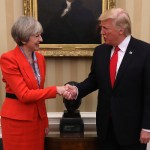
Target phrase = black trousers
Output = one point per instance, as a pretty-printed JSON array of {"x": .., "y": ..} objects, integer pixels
[{"x": 111, "y": 143}]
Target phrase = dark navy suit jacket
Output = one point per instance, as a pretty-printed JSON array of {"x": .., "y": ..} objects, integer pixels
[{"x": 129, "y": 101}]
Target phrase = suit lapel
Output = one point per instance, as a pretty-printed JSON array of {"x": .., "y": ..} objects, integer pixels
[
  {"x": 26, "y": 68},
  {"x": 41, "y": 69},
  {"x": 104, "y": 58},
  {"x": 126, "y": 61},
  {"x": 107, "y": 75}
]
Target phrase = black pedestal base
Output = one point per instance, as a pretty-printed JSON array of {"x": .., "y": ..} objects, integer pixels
[{"x": 71, "y": 123}]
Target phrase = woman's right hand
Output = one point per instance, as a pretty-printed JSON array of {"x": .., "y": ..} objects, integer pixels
[{"x": 60, "y": 90}]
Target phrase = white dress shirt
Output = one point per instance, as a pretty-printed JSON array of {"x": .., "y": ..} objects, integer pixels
[{"x": 123, "y": 47}]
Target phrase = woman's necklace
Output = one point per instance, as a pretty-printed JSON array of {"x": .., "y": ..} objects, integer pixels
[{"x": 30, "y": 60}]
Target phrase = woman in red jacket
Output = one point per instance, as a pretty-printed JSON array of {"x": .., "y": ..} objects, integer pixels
[{"x": 23, "y": 114}]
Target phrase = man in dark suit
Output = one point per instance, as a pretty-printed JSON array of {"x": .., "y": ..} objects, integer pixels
[
  {"x": 123, "y": 109},
  {"x": 72, "y": 24}
]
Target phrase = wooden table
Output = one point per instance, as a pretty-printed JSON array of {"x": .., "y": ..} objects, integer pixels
[{"x": 71, "y": 142}]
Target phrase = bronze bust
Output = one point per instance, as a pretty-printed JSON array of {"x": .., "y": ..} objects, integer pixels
[{"x": 71, "y": 121}]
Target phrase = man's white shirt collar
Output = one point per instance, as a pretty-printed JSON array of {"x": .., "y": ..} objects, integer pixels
[{"x": 124, "y": 44}]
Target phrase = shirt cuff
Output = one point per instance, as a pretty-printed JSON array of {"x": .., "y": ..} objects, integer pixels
[{"x": 77, "y": 92}]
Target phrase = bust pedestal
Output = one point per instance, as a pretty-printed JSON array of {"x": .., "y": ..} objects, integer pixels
[{"x": 71, "y": 122}]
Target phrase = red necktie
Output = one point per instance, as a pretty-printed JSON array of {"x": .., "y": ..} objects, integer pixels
[{"x": 113, "y": 65}]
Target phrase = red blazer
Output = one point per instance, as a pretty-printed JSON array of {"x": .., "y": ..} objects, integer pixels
[{"x": 20, "y": 80}]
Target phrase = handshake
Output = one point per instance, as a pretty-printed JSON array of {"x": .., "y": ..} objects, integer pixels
[{"x": 69, "y": 92}]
